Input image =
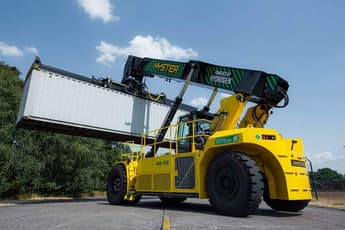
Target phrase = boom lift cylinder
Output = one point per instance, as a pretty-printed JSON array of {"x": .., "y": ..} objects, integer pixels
[{"x": 210, "y": 100}]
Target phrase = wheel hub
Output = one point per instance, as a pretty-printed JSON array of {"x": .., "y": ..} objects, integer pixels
[
  {"x": 116, "y": 185},
  {"x": 227, "y": 184}
]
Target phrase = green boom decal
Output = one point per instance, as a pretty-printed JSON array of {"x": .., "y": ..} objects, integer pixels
[
  {"x": 271, "y": 82},
  {"x": 222, "y": 77},
  {"x": 258, "y": 86},
  {"x": 165, "y": 68}
]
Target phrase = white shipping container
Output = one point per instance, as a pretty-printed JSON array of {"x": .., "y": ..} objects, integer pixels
[{"x": 60, "y": 103}]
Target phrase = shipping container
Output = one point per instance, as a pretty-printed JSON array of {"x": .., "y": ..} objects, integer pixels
[{"x": 59, "y": 101}]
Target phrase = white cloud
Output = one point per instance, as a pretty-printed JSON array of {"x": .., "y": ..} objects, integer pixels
[
  {"x": 320, "y": 160},
  {"x": 14, "y": 51},
  {"x": 31, "y": 49},
  {"x": 323, "y": 156},
  {"x": 10, "y": 50},
  {"x": 144, "y": 47},
  {"x": 102, "y": 9},
  {"x": 199, "y": 102},
  {"x": 327, "y": 160}
]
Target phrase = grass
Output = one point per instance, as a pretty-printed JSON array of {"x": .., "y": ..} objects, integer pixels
[
  {"x": 11, "y": 201},
  {"x": 54, "y": 197},
  {"x": 330, "y": 200}
]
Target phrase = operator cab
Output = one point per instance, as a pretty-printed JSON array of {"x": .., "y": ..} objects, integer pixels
[{"x": 193, "y": 131}]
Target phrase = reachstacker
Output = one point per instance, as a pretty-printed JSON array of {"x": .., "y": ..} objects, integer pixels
[{"x": 228, "y": 158}]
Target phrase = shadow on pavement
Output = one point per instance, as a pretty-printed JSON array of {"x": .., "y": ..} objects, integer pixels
[
  {"x": 272, "y": 213},
  {"x": 202, "y": 208}
]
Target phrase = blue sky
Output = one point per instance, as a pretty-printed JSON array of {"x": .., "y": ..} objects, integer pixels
[{"x": 302, "y": 41}]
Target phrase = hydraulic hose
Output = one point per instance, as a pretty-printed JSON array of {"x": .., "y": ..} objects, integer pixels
[{"x": 286, "y": 98}]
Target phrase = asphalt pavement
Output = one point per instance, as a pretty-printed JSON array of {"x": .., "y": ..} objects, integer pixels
[{"x": 150, "y": 213}]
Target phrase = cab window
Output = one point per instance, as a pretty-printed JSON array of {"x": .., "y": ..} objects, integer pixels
[{"x": 184, "y": 137}]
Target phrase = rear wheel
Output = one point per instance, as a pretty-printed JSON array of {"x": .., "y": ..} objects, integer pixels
[
  {"x": 234, "y": 184},
  {"x": 287, "y": 205},
  {"x": 117, "y": 185}
]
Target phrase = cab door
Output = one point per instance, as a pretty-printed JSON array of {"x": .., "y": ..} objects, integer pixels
[{"x": 184, "y": 135}]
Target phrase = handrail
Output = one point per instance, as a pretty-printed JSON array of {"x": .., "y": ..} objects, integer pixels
[
  {"x": 132, "y": 155},
  {"x": 172, "y": 139}
]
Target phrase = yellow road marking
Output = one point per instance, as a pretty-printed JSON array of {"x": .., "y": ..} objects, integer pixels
[{"x": 166, "y": 224}]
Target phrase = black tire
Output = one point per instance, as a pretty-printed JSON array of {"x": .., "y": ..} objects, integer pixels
[
  {"x": 287, "y": 205},
  {"x": 172, "y": 200},
  {"x": 117, "y": 185},
  {"x": 234, "y": 184}
]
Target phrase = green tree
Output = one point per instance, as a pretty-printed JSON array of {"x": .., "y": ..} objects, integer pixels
[
  {"x": 10, "y": 92},
  {"x": 325, "y": 174},
  {"x": 46, "y": 163}
]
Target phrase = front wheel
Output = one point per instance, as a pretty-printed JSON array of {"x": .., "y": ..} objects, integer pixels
[
  {"x": 234, "y": 184},
  {"x": 117, "y": 185}
]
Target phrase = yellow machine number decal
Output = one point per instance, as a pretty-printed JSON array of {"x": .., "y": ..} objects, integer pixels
[
  {"x": 227, "y": 139},
  {"x": 164, "y": 162}
]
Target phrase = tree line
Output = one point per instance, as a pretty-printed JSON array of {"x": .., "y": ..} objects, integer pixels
[
  {"x": 327, "y": 174},
  {"x": 36, "y": 162}
]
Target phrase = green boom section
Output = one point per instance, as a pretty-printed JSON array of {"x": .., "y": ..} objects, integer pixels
[
  {"x": 256, "y": 84},
  {"x": 207, "y": 74},
  {"x": 222, "y": 77}
]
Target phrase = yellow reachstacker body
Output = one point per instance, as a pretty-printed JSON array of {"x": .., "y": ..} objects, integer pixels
[
  {"x": 274, "y": 157},
  {"x": 176, "y": 172}
]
